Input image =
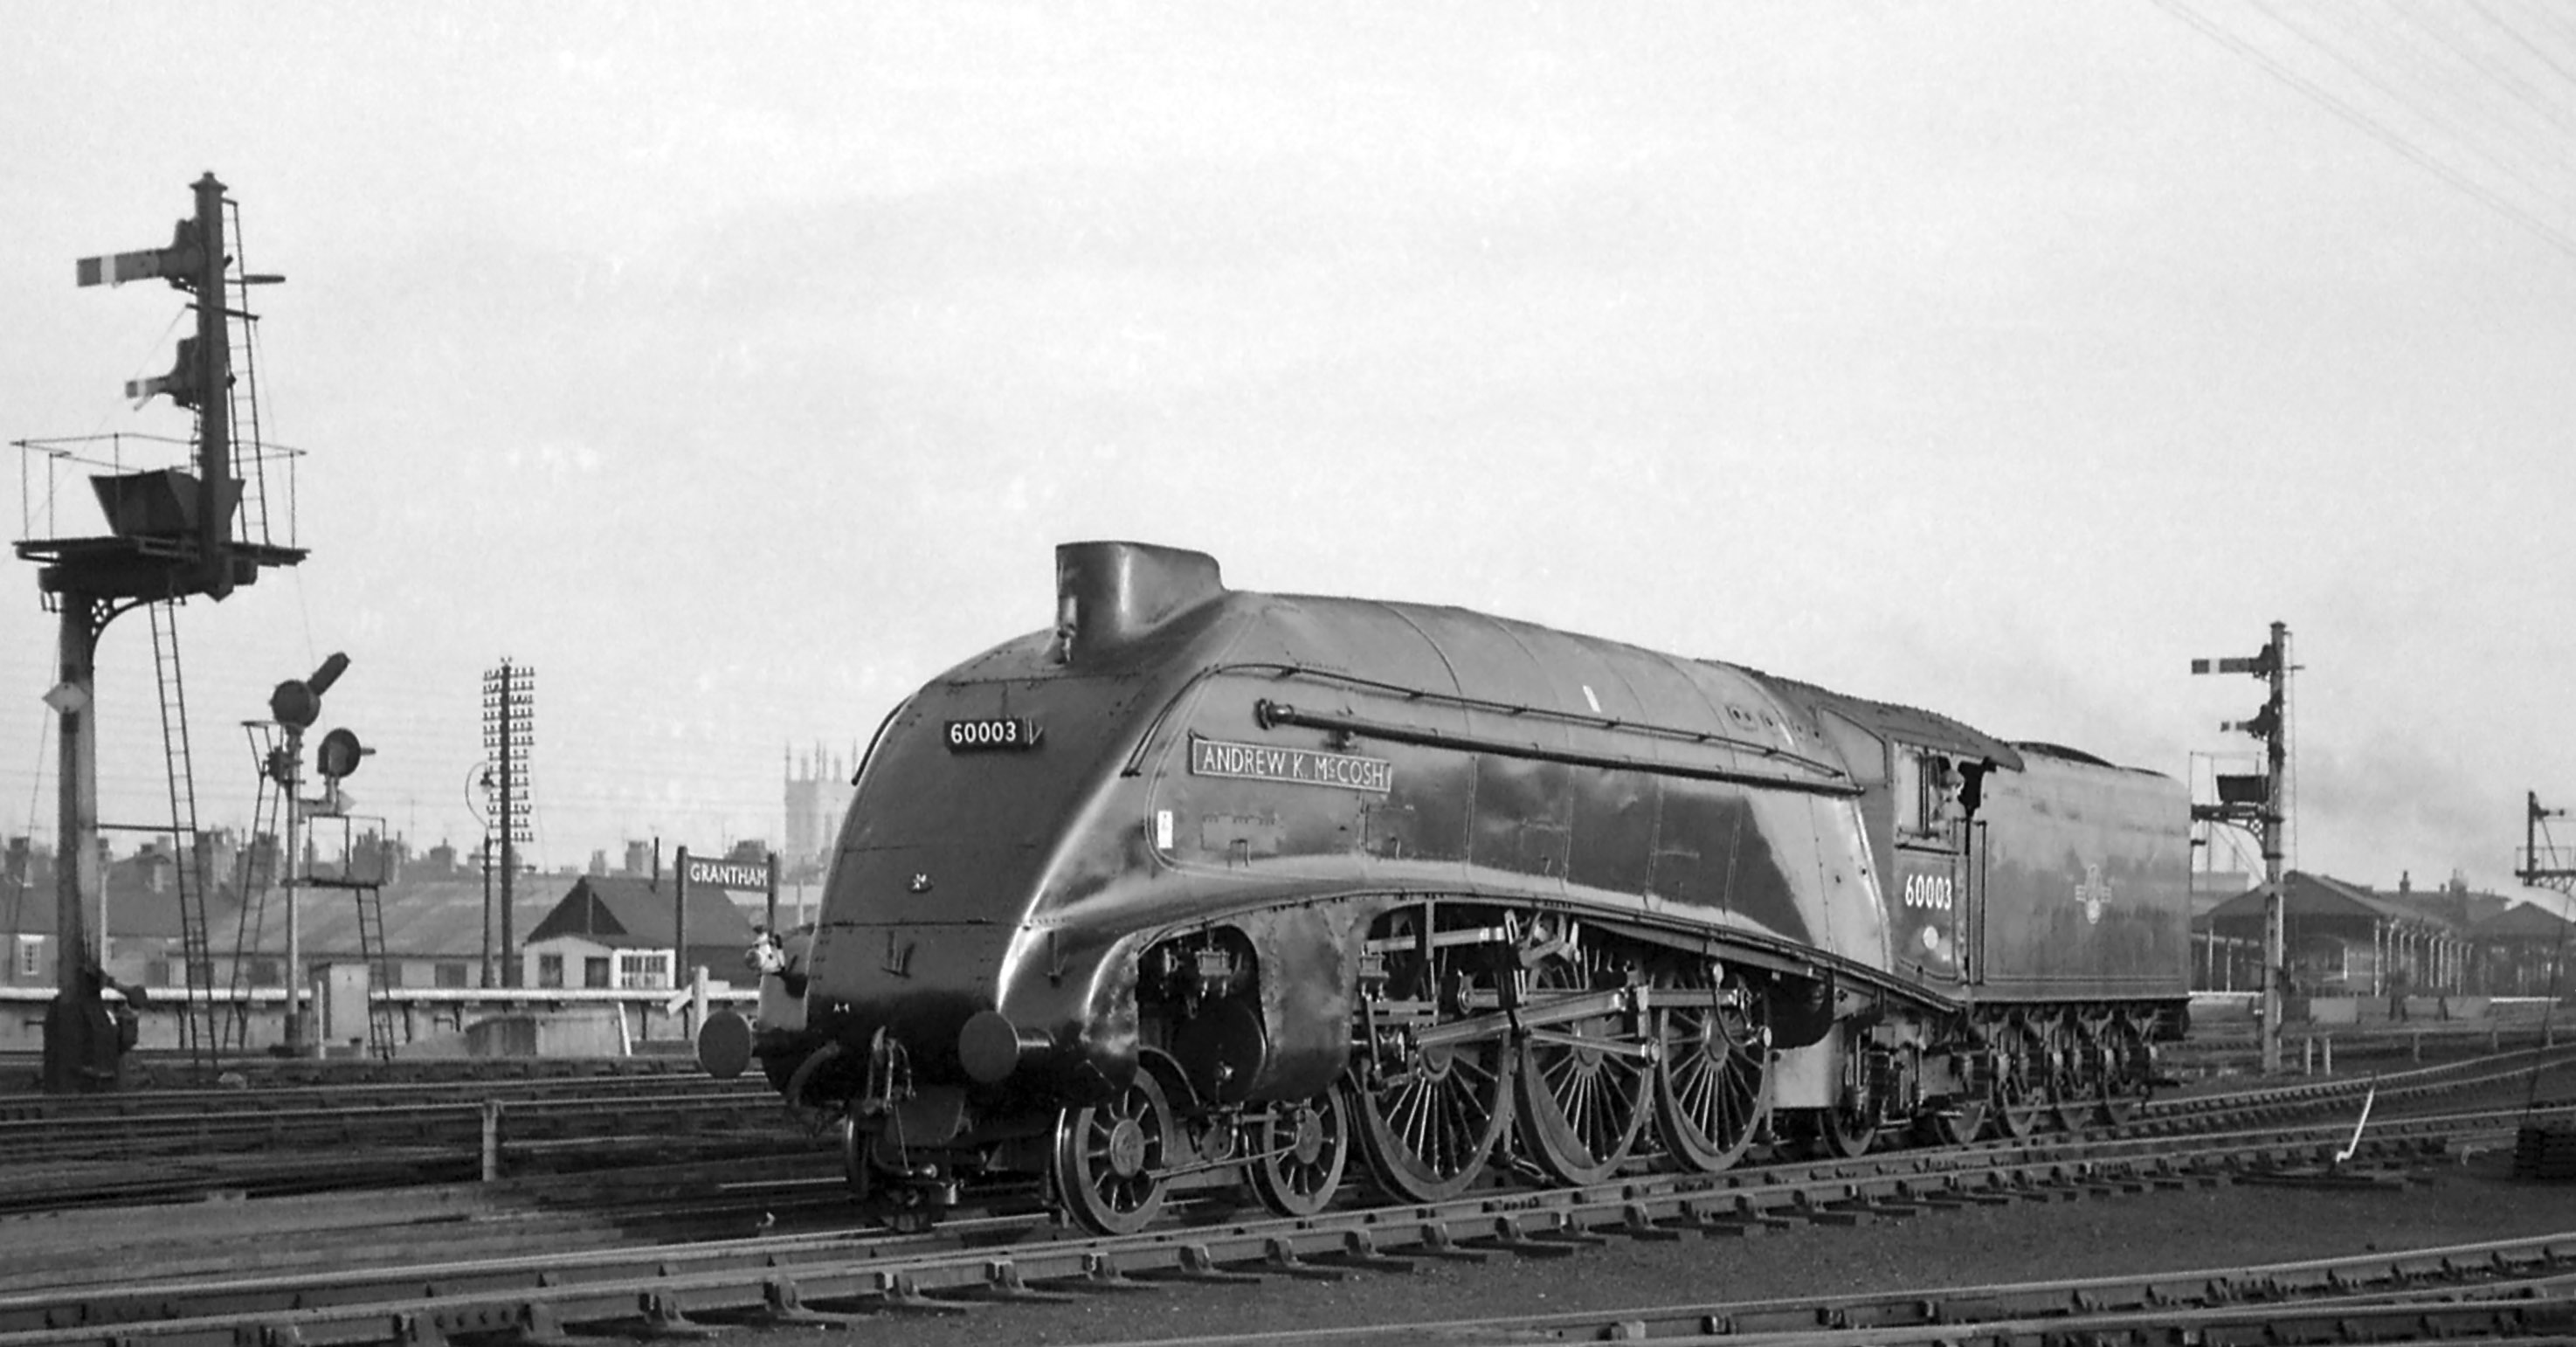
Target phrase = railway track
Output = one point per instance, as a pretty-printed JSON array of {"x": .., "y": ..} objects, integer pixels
[
  {"x": 280, "y": 1093},
  {"x": 178, "y": 1144},
  {"x": 151, "y": 1073},
  {"x": 2497, "y": 1291},
  {"x": 780, "y": 1277}
]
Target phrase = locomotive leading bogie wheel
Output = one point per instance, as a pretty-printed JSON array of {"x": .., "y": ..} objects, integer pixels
[
  {"x": 1304, "y": 1146},
  {"x": 1713, "y": 1082},
  {"x": 2020, "y": 1091},
  {"x": 1582, "y": 1084},
  {"x": 1110, "y": 1158},
  {"x": 1430, "y": 1117}
]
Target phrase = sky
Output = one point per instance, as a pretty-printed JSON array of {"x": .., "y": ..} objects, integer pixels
[{"x": 738, "y": 369}]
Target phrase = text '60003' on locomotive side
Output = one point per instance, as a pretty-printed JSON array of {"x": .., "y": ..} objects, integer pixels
[{"x": 1206, "y": 890}]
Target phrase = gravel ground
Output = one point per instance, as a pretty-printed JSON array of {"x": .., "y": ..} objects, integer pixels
[{"x": 2462, "y": 1202}]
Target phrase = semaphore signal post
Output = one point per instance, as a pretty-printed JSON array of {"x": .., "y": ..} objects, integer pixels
[
  {"x": 2260, "y": 804},
  {"x": 2545, "y": 865},
  {"x": 174, "y": 533}
]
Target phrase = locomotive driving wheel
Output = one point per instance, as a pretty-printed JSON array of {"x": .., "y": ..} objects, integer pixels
[
  {"x": 1305, "y": 1145},
  {"x": 1110, "y": 1158},
  {"x": 1712, "y": 1085},
  {"x": 1582, "y": 1083},
  {"x": 1430, "y": 1116}
]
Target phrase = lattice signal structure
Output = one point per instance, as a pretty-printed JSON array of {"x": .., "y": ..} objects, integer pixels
[
  {"x": 509, "y": 740},
  {"x": 2542, "y": 863}
]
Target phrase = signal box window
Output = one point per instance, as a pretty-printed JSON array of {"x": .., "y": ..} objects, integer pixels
[
  {"x": 453, "y": 974},
  {"x": 594, "y": 973},
  {"x": 642, "y": 970},
  {"x": 549, "y": 970}
]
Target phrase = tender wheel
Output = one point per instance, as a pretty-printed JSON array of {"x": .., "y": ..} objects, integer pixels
[
  {"x": 1429, "y": 1117},
  {"x": 1304, "y": 1147},
  {"x": 2020, "y": 1093},
  {"x": 1110, "y": 1158},
  {"x": 2128, "y": 1070},
  {"x": 1581, "y": 1085},
  {"x": 1712, "y": 1086},
  {"x": 2074, "y": 1085},
  {"x": 1961, "y": 1119}
]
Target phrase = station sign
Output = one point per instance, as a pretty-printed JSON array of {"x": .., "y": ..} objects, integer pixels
[{"x": 715, "y": 874}]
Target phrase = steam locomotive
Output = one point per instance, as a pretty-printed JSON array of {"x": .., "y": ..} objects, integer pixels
[{"x": 1209, "y": 889}]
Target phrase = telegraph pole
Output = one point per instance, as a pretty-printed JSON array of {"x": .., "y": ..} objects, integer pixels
[
  {"x": 2261, "y": 803},
  {"x": 509, "y": 723}
]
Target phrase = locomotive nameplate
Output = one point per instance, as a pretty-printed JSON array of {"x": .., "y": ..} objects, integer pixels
[
  {"x": 1296, "y": 766},
  {"x": 992, "y": 734}
]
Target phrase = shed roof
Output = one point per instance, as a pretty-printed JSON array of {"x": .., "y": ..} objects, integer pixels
[
  {"x": 2526, "y": 921},
  {"x": 427, "y": 919},
  {"x": 134, "y": 907},
  {"x": 2308, "y": 896}
]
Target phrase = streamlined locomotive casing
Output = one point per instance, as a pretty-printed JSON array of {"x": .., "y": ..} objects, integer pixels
[
  {"x": 1177, "y": 756},
  {"x": 1186, "y": 796}
]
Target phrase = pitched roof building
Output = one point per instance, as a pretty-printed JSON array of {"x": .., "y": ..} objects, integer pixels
[
  {"x": 2346, "y": 939},
  {"x": 618, "y": 932}
]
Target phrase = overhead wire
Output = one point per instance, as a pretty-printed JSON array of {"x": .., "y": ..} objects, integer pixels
[
  {"x": 2447, "y": 107},
  {"x": 2524, "y": 91},
  {"x": 2379, "y": 129},
  {"x": 2544, "y": 13}
]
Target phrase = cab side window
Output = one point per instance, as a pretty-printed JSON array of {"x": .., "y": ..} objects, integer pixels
[{"x": 1924, "y": 783}]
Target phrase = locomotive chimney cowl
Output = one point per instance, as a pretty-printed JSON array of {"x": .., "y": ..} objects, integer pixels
[{"x": 1109, "y": 595}]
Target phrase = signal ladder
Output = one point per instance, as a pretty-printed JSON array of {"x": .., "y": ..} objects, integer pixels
[
  {"x": 369, "y": 893},
  {"x": 371, "y": 945},
  {"x": 197, "y": 1017},
  {"x": 258, "y": 874},
  {"x": 249, "y": 448}
]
